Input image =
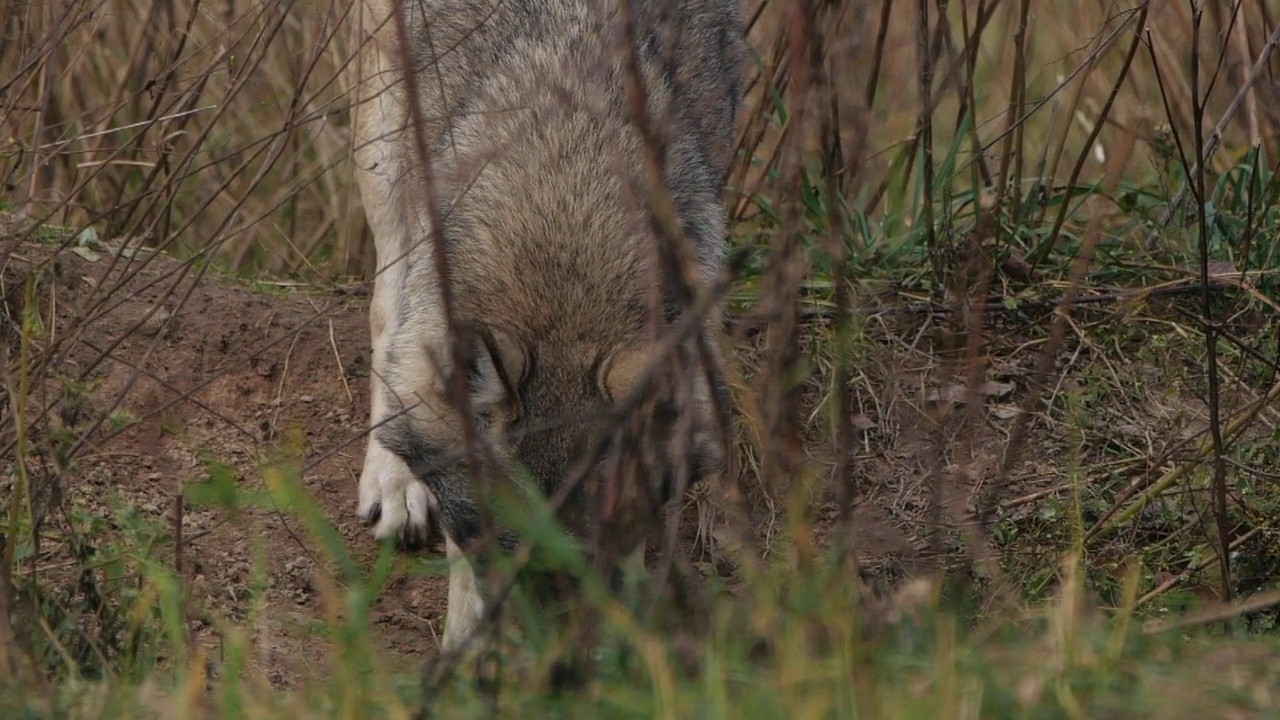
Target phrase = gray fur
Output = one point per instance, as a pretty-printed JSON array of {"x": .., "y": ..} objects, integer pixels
[{"x": 540, "y": 177}]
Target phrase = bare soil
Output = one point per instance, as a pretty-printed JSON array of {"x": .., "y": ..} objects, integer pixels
[{"x": 224, "y": 371}]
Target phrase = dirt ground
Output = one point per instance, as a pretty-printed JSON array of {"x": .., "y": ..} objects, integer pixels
[
  {"x": 224, "y": 370},
  {"x": 225, "y": 373}
]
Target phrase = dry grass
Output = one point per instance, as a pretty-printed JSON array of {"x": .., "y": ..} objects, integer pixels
[
  {"x": 192, "y": 127},
  {"x": 196, "y": 126}
]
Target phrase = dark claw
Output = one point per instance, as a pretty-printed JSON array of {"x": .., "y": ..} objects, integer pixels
[
  {"x": 411, "y": 538},
  {"x": 428, "y": 537},
  {"x": 375, "y": 514}
]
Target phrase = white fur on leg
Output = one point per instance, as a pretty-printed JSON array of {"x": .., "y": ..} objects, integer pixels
[
  {"x": 420, "y": 503},
  {"x": 377, "y": 463},
  {"x": 388, "y": 487},
  {"x": 466, "y": 605}
]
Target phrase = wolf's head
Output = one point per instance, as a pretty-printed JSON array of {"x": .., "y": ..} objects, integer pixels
[{"x": 571, "y": 369}]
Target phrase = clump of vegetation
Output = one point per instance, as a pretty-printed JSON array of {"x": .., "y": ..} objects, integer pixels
[{"x": 1006, "y": 382}]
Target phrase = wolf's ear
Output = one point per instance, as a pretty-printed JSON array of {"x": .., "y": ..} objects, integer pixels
[
  {"x": 498, "y": 369},
  {"x": 620, "y": 372}
]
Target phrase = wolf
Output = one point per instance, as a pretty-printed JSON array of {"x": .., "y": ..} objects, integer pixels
[{"x": 542, "y": 190}]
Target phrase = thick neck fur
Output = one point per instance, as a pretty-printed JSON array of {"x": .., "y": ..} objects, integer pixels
[
  {"x": 546, "y": 220},
  {"x": 541, "y": 175}
]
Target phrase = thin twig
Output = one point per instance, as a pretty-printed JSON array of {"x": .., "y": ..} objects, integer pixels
[
  {"x": 337, "y": 358},
  {"x": 1206, "y": 307}
]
